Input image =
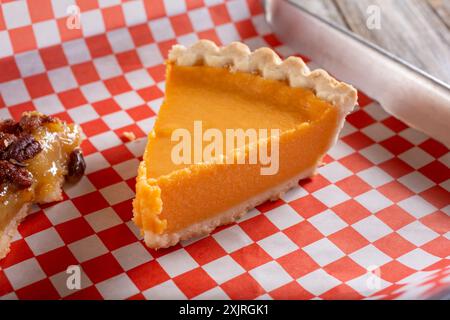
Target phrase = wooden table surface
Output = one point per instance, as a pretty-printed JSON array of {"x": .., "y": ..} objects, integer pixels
[{"x": 417, "y": 31}]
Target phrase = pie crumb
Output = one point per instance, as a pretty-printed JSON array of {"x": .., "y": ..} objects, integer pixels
[{"x": 130, "y": 136}]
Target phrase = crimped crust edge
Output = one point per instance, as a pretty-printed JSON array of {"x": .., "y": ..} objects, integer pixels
[{"x": 264, "y": 61}]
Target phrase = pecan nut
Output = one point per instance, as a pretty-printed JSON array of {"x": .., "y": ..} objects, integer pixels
[
  {"x": 15, "y": 174},
  {"x": 76, "y": 166},
  {"x": 31, "y": 121},
  {"x": 9, "y": 126},
  {"x": 6, "y": 139},
  {"x": 24, "y": 148}
]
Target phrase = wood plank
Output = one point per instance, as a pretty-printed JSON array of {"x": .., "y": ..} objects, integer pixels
[
  {"x": 325, "y": 9},
  {"x": 442, "y": 8},
  {"x": 414, "y": 30}
]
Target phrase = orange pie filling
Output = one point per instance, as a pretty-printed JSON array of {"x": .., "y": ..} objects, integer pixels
[{"x": 171, "y": 197}]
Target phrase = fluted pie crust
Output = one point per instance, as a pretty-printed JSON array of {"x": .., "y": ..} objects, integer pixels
[{"x": 232, "y": 87}]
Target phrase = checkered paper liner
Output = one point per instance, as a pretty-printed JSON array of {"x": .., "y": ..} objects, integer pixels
[{"x": 373, "y": 224}]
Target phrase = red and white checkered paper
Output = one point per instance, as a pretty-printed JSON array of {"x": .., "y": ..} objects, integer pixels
[{"x": 372, "y": 224}]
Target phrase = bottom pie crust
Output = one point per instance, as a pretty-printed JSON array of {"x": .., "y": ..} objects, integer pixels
[
  {"x": 10, "y": 231},
  {"x": 203, "y": 228},
  {"x": 7, "y": 234}
]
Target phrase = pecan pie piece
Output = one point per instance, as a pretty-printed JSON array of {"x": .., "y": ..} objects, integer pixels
[{"x": 37, "y": 154}]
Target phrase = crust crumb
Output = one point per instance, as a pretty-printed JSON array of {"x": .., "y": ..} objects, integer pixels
[{"x": 130, "y": 136}]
